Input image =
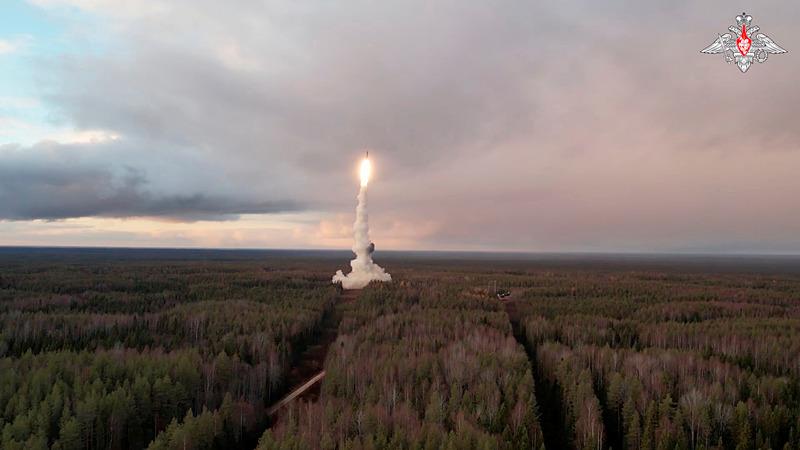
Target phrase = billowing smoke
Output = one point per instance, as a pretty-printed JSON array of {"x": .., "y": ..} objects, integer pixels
[{"x": 364, "y": 269}]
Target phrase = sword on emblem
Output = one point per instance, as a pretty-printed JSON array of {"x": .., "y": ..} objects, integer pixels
[{"x": 749, "y": 45}]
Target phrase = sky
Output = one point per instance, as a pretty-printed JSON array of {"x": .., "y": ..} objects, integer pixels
[{"x": 570, "y": 126}]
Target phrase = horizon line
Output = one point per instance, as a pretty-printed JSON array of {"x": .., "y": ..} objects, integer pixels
[{"x": 460, "y": 251}]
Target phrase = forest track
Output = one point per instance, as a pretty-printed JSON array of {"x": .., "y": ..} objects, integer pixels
[
  {"x": 308, "y": 371},
  {"x": 295, "y": 393},
  {"x": 548, "y": 401}
]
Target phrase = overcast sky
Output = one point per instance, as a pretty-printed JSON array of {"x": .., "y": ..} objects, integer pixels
[{"x": 511, "y": 125}]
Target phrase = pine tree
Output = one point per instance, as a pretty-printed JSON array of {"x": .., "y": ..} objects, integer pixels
[
  {"x": 650, "y": 424},
  {"x": 70, "y": 435},
  {"x": 744, "y": 433},
  {"x": 632, "y": 425},
  {"x": 614, "y": 397}
]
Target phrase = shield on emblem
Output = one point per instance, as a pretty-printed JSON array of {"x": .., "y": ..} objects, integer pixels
[{"x": 743, "y": 44}]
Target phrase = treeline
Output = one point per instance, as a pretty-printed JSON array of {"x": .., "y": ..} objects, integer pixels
[
  {"x": 206, "y": 325},
  {"x": 767, "y": 345},
  {"x": 111, "y": 356},
  {"x": 666, "y": 398},
  {"x": 419, "y": 367},
  {"x": 647, "y": 364}
]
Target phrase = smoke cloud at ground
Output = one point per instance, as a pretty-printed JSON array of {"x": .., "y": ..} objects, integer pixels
[{"x": 364, "y": 269}]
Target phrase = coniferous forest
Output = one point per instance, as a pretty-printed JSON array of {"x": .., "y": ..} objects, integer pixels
[{"x": 119, "y": 349}]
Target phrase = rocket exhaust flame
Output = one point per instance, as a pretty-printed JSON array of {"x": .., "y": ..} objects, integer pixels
[
  {"x": 366, "y": 168},
  {"x": 364, "y": 269}
]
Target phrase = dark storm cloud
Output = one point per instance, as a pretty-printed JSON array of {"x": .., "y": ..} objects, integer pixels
[{"x": 52, "y": 181}]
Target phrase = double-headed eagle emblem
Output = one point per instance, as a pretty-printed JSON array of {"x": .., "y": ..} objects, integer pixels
[{"x": 744, "y": 44}]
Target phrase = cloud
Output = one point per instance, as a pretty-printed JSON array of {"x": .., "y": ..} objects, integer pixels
[
  {"x": 8, "y": 46},
  {"x": 28, "y": 132},
  {"x": 58, "y": 181},
  {"x": 127, "y": 9},
  {"x": 18, "y": 103},
  {"x": 566, "y": 126},
  {"x": 295, "y": 96},
  {"x": 367, "y": 79}
]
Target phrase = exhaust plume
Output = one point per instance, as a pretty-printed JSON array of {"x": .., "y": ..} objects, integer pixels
[{"x": 364, "y": 269}]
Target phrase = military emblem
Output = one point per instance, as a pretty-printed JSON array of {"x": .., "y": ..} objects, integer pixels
[{"x": 743, "y": 44}]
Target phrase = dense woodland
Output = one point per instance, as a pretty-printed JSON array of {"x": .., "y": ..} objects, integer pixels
[
  {"x": 109, "y": 354},
  {"x": 419, "y": 368},
  {"x": 665, "y": 360},
  {"x": 174, "y": 351}
]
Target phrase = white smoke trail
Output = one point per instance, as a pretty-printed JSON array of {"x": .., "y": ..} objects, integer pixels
[{"x": 364, "y": 270}]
